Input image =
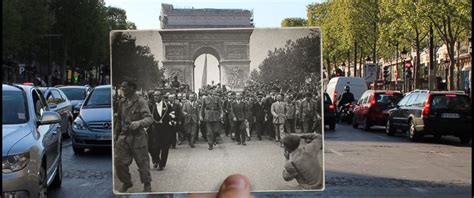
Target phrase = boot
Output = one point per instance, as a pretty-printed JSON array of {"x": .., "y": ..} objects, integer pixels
[
  {"x": 147, "y": 187},
  {"x": 125, "y": 187}
]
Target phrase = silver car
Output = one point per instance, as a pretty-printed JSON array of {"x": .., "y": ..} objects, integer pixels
[
  {"x": 76, "y": 94},
  {"x": 31, "y": 138},
  {"x": 58, "y": 102},
  {"x": 93, "y": 127}
]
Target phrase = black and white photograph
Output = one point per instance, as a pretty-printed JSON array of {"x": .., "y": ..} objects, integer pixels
[{"x": 194, "y": 105}]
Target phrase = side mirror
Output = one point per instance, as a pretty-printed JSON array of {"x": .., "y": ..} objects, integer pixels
[
  {"x": 49, "y": 117},
  {"x": 52, "y": 105}
]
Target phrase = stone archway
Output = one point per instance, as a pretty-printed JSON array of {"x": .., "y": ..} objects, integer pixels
[{"x": 229, "y": 46}]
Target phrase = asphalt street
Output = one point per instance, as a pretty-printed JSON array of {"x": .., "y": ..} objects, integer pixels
[{"x": 357, "y": 163}]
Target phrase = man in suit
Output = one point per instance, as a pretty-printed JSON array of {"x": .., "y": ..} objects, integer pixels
[
  {"x": 191, "y": 118},
  {"x": 238, "y": 112},
  {"x": 307, "y": 110},
  {"x": 250, "y": 119},
  {"x": 278, "y": 110},
  {"x": 290, "y": 114},
  {"x": 258, "y": 110},
  {"x": 161, "y": 134},
  {"x": 269, "y": 124},
  {"x": 226, "y": 106},
  {"x": 181, "y": 99},
  {"x": 176, "y": 110}
]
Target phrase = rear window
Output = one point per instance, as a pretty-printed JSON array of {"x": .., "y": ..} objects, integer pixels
[
  {"x": 14, "y": 108},
  {"x": 99, "y": 97},
  {"x": 74, "y": 93},
  {"x": 450, "y": 101},
  {"x": 327, "y": 99},
  {"x": 388, "y": 98}
]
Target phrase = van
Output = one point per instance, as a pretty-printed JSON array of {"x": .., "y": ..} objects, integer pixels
[{"x": 336, "y": 86}]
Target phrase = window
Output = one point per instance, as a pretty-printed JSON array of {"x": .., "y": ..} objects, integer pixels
[
  {"x": 412, "y": 100},
  {"x": 420, "y": 100},
  {"x": 39, "y": 104},
  {"x": 57, "y": 97},
  {"x": 14, "y": 109},
  {"x": 403, "y": 102}
]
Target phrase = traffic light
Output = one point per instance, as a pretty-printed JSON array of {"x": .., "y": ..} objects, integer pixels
[{"x": 386, "y": 73}]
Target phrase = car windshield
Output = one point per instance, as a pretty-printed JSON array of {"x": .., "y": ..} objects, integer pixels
[
  {"x": 99, "y": 97},
  {"x": 385, "y": 98},
  {"x": 14, "y": 109},
  {"x": 74, "y": 93},
  {"x": 456, "y": 102}
]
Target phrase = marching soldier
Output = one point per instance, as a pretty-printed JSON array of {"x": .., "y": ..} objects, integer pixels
[
  {"x": 131, "y": 141},
  {"x": 212, "y": 114}
]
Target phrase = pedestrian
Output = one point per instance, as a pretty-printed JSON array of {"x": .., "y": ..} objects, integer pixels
[
  {"x": 278, "y": 110},
  {"x": 161, "y": 133},
  {"x": 307, "y": 110},
  {"x": 238, "y": 113},
  {"x": 173, "y": 103},
  {"x": 180, "y": 126},
  {"x": 191, "y": 118},
  {"x": 269, "y": 124},
  {"x": 290, "y": 114},
  {"x": 302, "y": 162},
  {"x": 258, "y": 111},
  {"x": 212, "y": 114},
  {"x": 131, "y": 140},
  {"x": 249, "y": 121}
]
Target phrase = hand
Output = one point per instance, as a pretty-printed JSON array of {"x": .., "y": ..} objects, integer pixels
[
  {"x": 133, "y": 125},
  {"x": 234, "y": 186},
  {"x": 287, "y": 155}
]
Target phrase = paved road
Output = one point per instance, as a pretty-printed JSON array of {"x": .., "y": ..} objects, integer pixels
[{"x": 358, "y": 163}]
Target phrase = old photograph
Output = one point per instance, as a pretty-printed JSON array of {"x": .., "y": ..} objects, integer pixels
[{"x": 192, "y": 106}]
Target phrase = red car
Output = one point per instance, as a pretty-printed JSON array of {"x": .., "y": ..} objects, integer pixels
[{"x": 371, "y": 109}]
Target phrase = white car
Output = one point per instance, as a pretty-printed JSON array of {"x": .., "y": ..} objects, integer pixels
[{"x": 336, "y": 86}]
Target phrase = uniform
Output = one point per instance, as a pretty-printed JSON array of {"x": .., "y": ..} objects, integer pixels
[
  {"x": 130, "y": 144},
  {"x": 212, "y": 113},
  {"x": 307, "y": 110}
]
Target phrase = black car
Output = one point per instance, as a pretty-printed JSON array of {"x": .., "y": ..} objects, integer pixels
[
  {"x": 422, "y": 113},
  {"x": 76, "y": 94},
  {"x": 329, "y": 112}
]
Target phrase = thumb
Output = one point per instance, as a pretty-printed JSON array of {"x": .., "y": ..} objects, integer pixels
[{"x": 235, "y": 186}]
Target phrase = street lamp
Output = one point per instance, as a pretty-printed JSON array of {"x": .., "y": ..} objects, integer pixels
[{"x": 446, "y": 66}]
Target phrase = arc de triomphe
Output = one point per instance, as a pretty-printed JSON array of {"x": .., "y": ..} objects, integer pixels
[{"x": 230, "y": 46}]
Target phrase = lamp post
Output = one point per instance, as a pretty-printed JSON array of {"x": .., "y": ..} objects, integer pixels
[
  {"x": 403, "y": 55},
  {"x": 446, "y": 67}
]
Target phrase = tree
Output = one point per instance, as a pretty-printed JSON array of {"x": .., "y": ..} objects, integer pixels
[
  {"x": 452, "y": 20},
  {"x": 117, "y": 19},
  {"x": 20, "y": 37},
  {"x": 132, "y": 62},
  {"x": 293, "y": 22},
  {"x": 254, "y": 75}
]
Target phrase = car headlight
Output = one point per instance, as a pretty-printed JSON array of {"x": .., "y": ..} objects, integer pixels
[
  {"x": 15, "y": 163},
  {"x": 79, "y": 124}
]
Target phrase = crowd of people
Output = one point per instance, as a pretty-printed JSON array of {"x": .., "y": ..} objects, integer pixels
[{"x": 171, "y": 117}]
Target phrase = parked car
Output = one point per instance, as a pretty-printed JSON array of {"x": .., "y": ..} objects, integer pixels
[
  {"x": 430, "y": 112},
  {"x": 93, "y": 126},
  {"x": 329, "y": 112},
  {"x": 31, "y": 143},
  {"x": 336, "y": 85},
  {"x": 372, "y": 107},
  {"x": 58, "y": 102},
  {"x": 76, "y": 94}
]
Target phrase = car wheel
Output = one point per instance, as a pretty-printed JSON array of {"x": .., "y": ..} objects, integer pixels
[
  {"x": 389, "y": 130},
  {"x": 43, "y": 183},
  {"x": 366, "y": 124},
  {"x": 58, "y": 179},
  {"x": 465, "y": 139},
  {"x": 354, "y": 123},
  {"x": 411, "y": 133},
  {"x": 332, "y": 126},
  {"x": 77, "y": 150}
]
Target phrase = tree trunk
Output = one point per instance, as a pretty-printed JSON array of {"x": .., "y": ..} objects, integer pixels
[
  {"x": 416, "y": 68},
  {"x": 452, "y": 64},
  {"x": 458, "y": 66},
  {"x": 355, "y": 59}
]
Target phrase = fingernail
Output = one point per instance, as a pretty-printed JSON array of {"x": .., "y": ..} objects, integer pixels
[{"x": 235, "y": 183}]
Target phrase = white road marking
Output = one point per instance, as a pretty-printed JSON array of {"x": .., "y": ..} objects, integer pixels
[
  {"x": 419, "y": 189},
  {"x": 444, "y": 154},
  {"x": 335, "y": 152}
]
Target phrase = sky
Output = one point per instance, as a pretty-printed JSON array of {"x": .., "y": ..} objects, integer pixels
[{"x": 267, "y": 13}]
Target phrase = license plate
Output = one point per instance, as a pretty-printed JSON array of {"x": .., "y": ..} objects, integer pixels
[
  {"x": 104, "y": 137},
  {"x": 450, "y": 115}
]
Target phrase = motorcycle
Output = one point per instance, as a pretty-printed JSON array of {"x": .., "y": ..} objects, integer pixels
[{"x": 346, "y": 112}]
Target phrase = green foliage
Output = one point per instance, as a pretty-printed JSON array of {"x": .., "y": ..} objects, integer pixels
[
  {"x": 132, "y": 62},
  {"x": 292, "y": 62},
  {"x": 293, "y": 22}
]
